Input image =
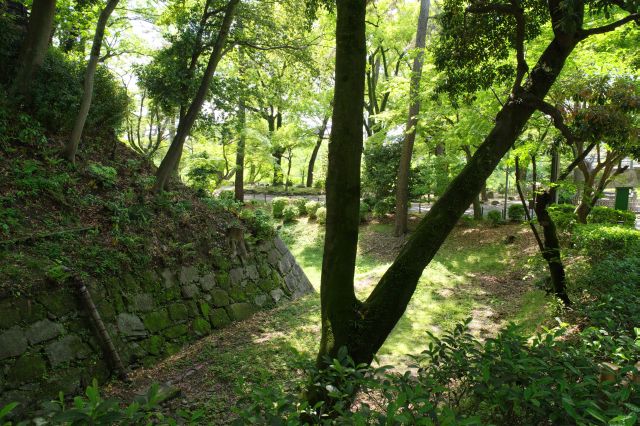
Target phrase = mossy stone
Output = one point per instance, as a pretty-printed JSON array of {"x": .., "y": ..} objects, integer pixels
[
  {"x": 176, "y": 331},
  {"x": 9, "y": 314},
  {"x": 219, "y": 318},
  {"x": 238, "y": 294},
  {"x": 149, "y": 281},
  {"x": 107, "y": 311},
  {"x": 28, "y": 368},
  {"x": 172, "y": 348},
  {"x": 201, "y": 327},
  {"x": 154, "y": 345},
  {"x": 219, "y": 297},
  {"x": 240, "y": 311},
  {"x": 30, "y": 311},
  {"x": 223, "y": 280},
  {"x": 130, "y": 283},
  {"x": 157, "y": 321},
  {"x": 204, "y": 308},
  {"x": 172, "y": 293},
  {"x": 178, "y": 312}
]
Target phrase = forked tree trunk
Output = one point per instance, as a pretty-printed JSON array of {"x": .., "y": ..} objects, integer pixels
[
  {"x": 402, "y": 184},
  {"x": 71, "y": 147},
  {"x": 316, "y": 148},
  {"x": 362, "y": 327},
  {"x": 34, "y": 47},
  {"x": 171, "y": 159}
]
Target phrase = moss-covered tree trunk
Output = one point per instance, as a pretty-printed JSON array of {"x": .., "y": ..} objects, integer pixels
[
  {"x": 71, "y": 147},
  {"x": 362, "y": 327},
  {"x": 171, "y": 159}
]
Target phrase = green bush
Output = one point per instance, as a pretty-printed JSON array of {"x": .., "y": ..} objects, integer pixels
[
  {"x": 56, "y": 98},
  {"x": 383, "y": 207},
  {"x": 563, "y": 216},
  {"x": 289, "y": 213},
  {"x": 516, "y": 212},
  {"x": 312, "y": 207},
  {"x": 494, "y": 217},
  {"x": 259, "y": 222},
  {"x": 106, "y": 175},
  {"x": 458, "y": 379},
  {"x": 301, "y": 204},
  {"x": 321, "y": 214},
  {"x": 364, "y": 211},
  {"x": 601, "y": 214},
  {"x": 277, "y": 206},
  {"x": 600, "y": 241}
]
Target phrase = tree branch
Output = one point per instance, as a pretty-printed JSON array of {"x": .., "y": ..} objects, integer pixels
[{"x": 609, "y": 27}]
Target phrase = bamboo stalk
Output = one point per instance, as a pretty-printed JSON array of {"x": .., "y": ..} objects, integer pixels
[{"x": 103, "y": 334}]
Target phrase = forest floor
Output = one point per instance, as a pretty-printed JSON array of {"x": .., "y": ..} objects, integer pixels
[{"x": 476, "y": 274}]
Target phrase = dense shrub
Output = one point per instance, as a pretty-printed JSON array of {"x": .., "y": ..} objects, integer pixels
[
  {"x": 57, "y": 88},
  {"x": 106, "y": 175},
  {"x": 600, "y": 241},
  {"x": 516, "y": 212},
  {"x": 277, "y": 206},
  {"x": 57, "y": 92},
  {"x": 259, "y": 222},
  {"x": 381, "y": 158},
  {"x": 312, "y": 207},
  {"x": 383, "y": 207},
  {"x": 364, "y": 211},
  {"x": 563, "y": 216},
  {"x": 601, "y": 214},
  {"x": 301, "y": 204},
  {"x": 321, "y": 215},
  {"x": 289, "y": 213},
  {"x": 509, "y": 379},
  {"x": 494, "y": 217}
]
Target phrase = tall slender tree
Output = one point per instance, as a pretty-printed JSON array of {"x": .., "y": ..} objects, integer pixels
[
  {"x": 171, "y": 159},
  {"x": 402, "y": 184},
  {"x": 71, "y": 147}
]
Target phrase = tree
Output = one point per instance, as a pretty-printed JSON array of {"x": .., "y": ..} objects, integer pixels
[
  {"x": 34, "y": 47},
  {"x": 71, "y": 147},
  {"x": 171, "y": 159},
  {"x": 314, "y": 154},
  {"x": 402, "y": 185},
  {"x": 601, "y": 110},
  {"x": 474, "y": 48}
]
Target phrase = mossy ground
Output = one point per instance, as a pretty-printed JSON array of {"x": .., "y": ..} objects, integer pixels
[{"x": 474, "y": 275}]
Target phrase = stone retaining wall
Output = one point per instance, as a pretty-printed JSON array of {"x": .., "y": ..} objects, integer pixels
[{"x": 48, "y": 344}]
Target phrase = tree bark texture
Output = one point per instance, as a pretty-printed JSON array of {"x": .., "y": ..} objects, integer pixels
[
  {"x": 338, "y": 299},
  {"x": 71, "y": 147},
  {"x": 171, "y": 159},
  {"x": 34, "y": 47},
  {"x": 402, "y": 184}
]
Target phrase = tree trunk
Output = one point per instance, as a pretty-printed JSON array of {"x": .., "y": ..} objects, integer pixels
[
  {"x": 170, "y": 160},
  {"x": 242, "y": 122},
  {"x": 34, "y": 47},
  {"x": 71, "y": 147},
  {"x": 363, "y": 327},
  {"x": 551, "y": 251},
  {"x": 314, "y": 154},
  {"x": 402, "y": 184},
  {"x": 339, "y": 305},
  {"x": 477, "y": 207}
]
